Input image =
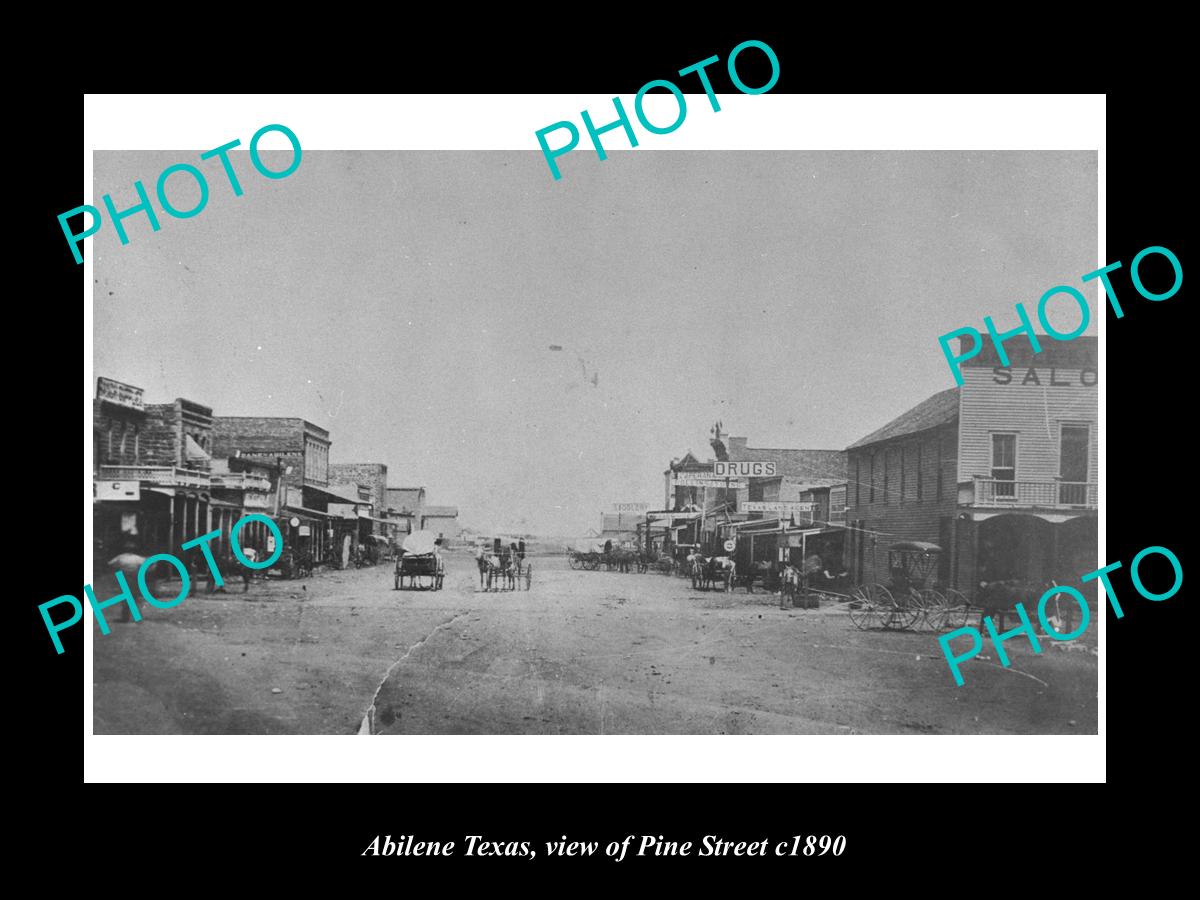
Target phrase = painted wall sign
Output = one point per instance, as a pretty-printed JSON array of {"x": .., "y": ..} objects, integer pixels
[
  {"x": 698, "y": 479},
  {"x": 118, "y": 490},
  {"x": 119, "y": 393},
  {"x": 780, "y": 506}
]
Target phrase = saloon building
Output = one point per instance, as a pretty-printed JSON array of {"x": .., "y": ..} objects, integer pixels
[{"x": 1000, "y": 473}]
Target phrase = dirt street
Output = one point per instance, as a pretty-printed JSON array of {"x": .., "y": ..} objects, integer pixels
[{"x": 580, "y": 653}]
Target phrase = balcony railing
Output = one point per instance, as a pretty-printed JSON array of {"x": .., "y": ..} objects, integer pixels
[
  {"x": 244, "y": 481},
  {"x": 996, "y": 493},
  {"x": 174, "y": 476}
]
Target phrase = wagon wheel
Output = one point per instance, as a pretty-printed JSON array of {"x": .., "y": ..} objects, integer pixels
[
  {"x": 863, "y": 613},
  {"x": 906, "y": 608},
  {"x": 958, "y": 607},
  {"x": 594, "y": 565},
  {"x": 934, "y": 606},
  {"x": 576, "y": 562},
  {"x": 884, "y": 604}
]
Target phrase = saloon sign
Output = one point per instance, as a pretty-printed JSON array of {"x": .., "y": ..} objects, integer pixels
[
  {"x": 744, "y": 469},
  {"x": 1055, "y": 378}
]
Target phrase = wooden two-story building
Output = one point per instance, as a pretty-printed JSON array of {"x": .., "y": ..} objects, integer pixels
[
  {"x": 151, "y": 471},
  {"x": 1000, "y": 473}
]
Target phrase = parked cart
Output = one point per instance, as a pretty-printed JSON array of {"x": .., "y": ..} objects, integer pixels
[{"x": 420, "y": 561}]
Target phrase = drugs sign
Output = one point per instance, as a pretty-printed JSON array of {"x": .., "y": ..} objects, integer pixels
[{"x": 744, "y": 469}]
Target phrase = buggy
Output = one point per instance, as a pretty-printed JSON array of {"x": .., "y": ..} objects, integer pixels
[{"x": 910, "y": 596}]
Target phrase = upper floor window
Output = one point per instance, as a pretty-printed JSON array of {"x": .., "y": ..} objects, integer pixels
[
  {"x": 887, "y": 454},
  {"x": 920, "y": 475},
  {"x": 938, "y": 461},
  {"x": 1074, "y": 463},
  {"x": 1004, "y": 463}
]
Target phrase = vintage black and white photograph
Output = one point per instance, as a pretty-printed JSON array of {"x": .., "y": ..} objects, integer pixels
[{"x": 669, "y": 446}]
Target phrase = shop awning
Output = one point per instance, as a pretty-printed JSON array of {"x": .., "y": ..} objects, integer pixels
[
  {"x": 193, "y": 451},
  {"x": 301, "y": 511},
  {"x": 335, "y": 497},
  {"x": 672, "y": 517}
]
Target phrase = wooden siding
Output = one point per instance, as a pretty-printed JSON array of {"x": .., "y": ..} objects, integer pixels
[{"x": 1009, "y": 400}]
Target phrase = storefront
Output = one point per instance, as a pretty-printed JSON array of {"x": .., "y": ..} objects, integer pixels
[{"x": 772, "y": 541}]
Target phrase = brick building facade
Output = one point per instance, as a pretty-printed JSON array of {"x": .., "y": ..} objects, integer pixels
[
  {"x": 372, "y": 476},
  {"x": 903, "y": 486},
  {"x": 300, "y": 451}
]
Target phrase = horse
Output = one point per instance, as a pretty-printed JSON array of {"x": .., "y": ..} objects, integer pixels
[
  {"x": 229, "y": 569},
  {"x": 696, "y": 567},
  {"x": 623, "y": 557},
  {"x": 481, "y": 562},
  {"x": 761, "y": 569},
  {"x": 500, "y": 569},
  {"x": 720, "y": 568},
  {"x": 998, "y": 598}
]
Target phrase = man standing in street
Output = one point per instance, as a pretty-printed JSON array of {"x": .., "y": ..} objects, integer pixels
[{"x": 129, "y": 564}]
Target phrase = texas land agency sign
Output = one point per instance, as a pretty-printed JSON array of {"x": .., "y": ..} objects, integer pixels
[
  {"x": 779, "y": 506},
  {"x": 744, "y": 469}
]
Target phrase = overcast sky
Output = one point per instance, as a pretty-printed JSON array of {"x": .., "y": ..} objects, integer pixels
[{"x": 408, "y": 301}]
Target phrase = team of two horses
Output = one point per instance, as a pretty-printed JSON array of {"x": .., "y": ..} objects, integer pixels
[
  {"x": 502, "y": 571},
  {"x": 707, "y": 571}
]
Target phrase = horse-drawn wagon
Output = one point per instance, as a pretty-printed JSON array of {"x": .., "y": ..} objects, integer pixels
[
  {"x": 420, "y": 561},
  {"x": 585, "y": 556}
]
